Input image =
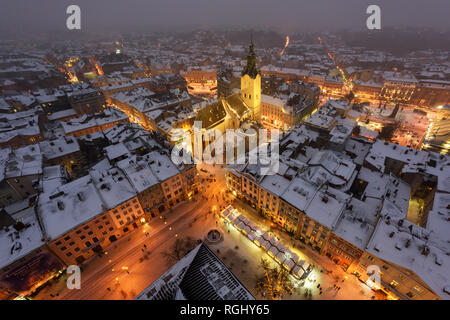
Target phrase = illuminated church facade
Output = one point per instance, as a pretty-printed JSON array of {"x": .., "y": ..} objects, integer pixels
[
  {"x": 251, "y": 85},
  {"x": 229, "y": 112}
]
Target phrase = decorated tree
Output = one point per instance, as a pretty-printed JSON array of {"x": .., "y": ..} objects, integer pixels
[{"x": 275, "y": 280}]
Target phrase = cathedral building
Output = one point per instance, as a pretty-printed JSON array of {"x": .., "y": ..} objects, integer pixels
[{"x": 229, "y": 112}]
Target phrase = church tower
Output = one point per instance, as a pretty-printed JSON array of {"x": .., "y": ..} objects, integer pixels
[{"x": 251, "y": 84}]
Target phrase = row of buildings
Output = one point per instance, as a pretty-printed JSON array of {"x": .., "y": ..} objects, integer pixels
[
  {"x": 361, "y": 202},
  {"x": 372, "y": 85},
  {"x": 51, "y": 219}
]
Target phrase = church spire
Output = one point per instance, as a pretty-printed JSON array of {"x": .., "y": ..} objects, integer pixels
[{"x": 250, "y": 68}]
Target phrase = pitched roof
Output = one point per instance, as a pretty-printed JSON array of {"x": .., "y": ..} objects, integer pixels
[{"x": 200, "y": 275}]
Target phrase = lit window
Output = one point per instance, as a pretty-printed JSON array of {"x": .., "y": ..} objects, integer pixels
[{"x": 394, "y": 284}]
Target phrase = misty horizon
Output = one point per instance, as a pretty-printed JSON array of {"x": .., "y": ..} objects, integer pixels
[{"x": 102, "y": 16}]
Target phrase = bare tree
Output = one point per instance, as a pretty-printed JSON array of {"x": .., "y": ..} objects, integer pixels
[
  {"x": 179, "y": 249},
  {"x": 387, "y": 132}
]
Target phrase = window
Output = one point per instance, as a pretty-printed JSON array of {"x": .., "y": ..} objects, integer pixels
[
  {"x": 67, "y": 238},
  {"x": 410, "y": 294},
  {"x": 394, "y": 284},
  {"x": 90, "y": 233},
  {"x": 71, "y": 243},
  {"x": 95, "y": 239},
  {"x": 58, "y": 243},
  {"x": 418, "y": 289},
  {"x": 63, "y": 248},
  {"x": 68, "y": 254},
  {"x": 88, "y": 244},
  {"x": 77, "y": 249}
]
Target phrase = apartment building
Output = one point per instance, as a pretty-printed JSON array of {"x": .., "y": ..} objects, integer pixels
[{"x": 357, "y": 216}]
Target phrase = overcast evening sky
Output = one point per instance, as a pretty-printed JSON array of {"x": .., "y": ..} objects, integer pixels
[{"x": 284, "y": 15}]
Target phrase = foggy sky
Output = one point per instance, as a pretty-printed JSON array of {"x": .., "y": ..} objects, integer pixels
[{"x": 283, "y": 15}]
